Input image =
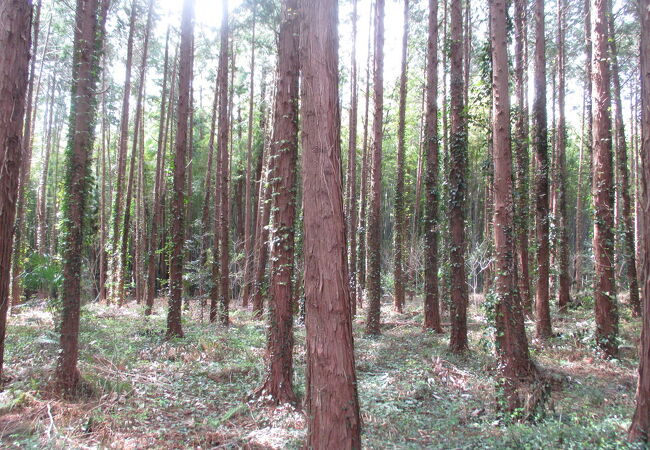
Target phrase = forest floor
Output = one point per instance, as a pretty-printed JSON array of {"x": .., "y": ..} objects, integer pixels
[{"x": 145, "y": 392}]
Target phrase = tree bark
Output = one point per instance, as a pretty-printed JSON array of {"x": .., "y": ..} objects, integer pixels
[
  {"x": 15, "y": 42},
  {"x": 400, "y": 219},
  {"x": 431, "y": 299},
  {"x": 603, "y": 187},
  {"x": 373, "y": 264},
  {"x": 88, "y": 43},
  {"x": 41, "y": 209},
  {"x": 540, "y": 142},
  {"x": 641, "y": 421},
  {"x": 457, "y": 185},
  {"x": 174, "y": 328},
  {"x": 332, "y": 400}
]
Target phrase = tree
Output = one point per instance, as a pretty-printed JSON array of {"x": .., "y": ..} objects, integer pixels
[
  {"x": 400, "y": 219},
  {"x": 457, "y": 184},
  {"x": 603, "y": 186},
  {"x": 515, "y": 365},
  {"x": 540, "y": 142},
  {"x": 90, "y": 21},
  {"x": 641, "y": 420},
  {"x": 373, "y": 239},
  {"x": 15, "y": 42},
  {"x": 174, "y": 328},
  {"x": 284, "y": 154},
  {"x": 332, "y": 400},
  {"x": 431, "y": 299}
]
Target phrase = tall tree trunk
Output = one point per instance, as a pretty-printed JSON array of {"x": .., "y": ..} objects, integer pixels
[
  {"x": 521, "y": 151},
  {"x": 457, "y": 185},
  {"x": 25, "y": 165},
  {"x": 540, "y": 142},
  {"x": 157, "y": 190},
  {"x": 373, "y": 275},
  {"x": 103, "y": 197},
  {"x": 248, "y": 244},
  {"x": 351, "y": 214},
  {"x": 15, "y": 42},
  {"x": 284, "y": 154},
  {"x": 41, "y": 209},
  {"x": 174, "y": 328},
  {"x": 400, "y": 219},
  {"x": 117, "y": 269},
  {"x": 563, "y": 239},
  {"x": 603, "y": 187},
  {"x": 624, "y": 177},
  {"x": 88, "y": 43},
  {"x": 431, "y": 299},
  {"x": 641, "y": 421},
  {"x": 332, "y": 400},
  {"x": 222, "y": 174}
]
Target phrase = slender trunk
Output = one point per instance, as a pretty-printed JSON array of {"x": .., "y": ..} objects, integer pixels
[
  {"x": 624, "y": 178},
  {"x": 373, "y": 275},
  {"x": 603, "y": 187},
  {"x": 88, "y": 43},
  {"x": 103, "y": 199},
  {"x": 540, "y": 142},
  {"x": 41, "y": 209},
  {"x": 457, "y": 185},
  {"x": 351, "y": 214},
  {"x": 332, "y": 400},
  {"x": 400, "y": 219},
  {"x": 641, "y": 420},
  {"x": 431, "y": 144},
  {"x": 15, "y": 43},
  {"x": 284, "y": 154},
  {"x": 174, "y": 328}
]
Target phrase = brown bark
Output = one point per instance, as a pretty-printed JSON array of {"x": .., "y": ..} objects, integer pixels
[
  {"x": 400, "y": 219},
  {"x": 174, "y": 328},
  {"x": 457, "y": 185},
  {"x": 641, "y": 421},
  {"x": 351, "y": 213},
  {"x": 157, "y": 190},
  {"x": 41, "y": 208},
  {"x": 222, "y": 174},
  {"x": 629, "y": 253},
  {"x": 104, "y": 201},
  {"x": 515, "y": 365},
  {"x": 284, "y": 154},
  {"x": 15, "y": 42},
  {"x": 431, "y": 299},
  {"x": 540, "y": 142},
  {"x": 332, "y": 400},
  {"x": 564, "y": 286},
  {"x": 248, "y": 256},
  {"x": 603, "y": 187},
  {"x": 88, "y": 43},
  {"x": 521, "y": 151},
  {"x": 373, "y": 244}
]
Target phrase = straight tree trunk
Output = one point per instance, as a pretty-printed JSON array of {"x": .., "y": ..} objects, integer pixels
[
  {"x": 41, "y": 209},
  {"x": 222, "y": 175},
  {"x": 521, "y": 139},
  {"x": 103, "y": 198},
  {"x": 174, "y": 328},
  {"x": 641, "y": 421},
  {"x": 15, "y": 43},
  {"x": 248, "y": 244},
  {"x": 431, "y": 299},
  {"x": 88, "y": 42},
  {"x": 515, "y": 365},
  {"x": 352, "y": 166},
  {"x": 400, "y": 219},
  {"x": 284, "y": 154},
  {"x": 457, "y": 185},
  {"x": 157, "y": 190},
  {"x": 540, "y": 141},
  {"x": 373, "y": 274},
  {"x": 624, "y": 177},
  {"x": 562, "y": 233},
  {"x": 603, "y": 187},
  {"x": 332, "y": 400}
]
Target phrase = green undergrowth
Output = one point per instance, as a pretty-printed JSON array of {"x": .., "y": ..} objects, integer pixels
[{"x": 147, "y": 392}]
